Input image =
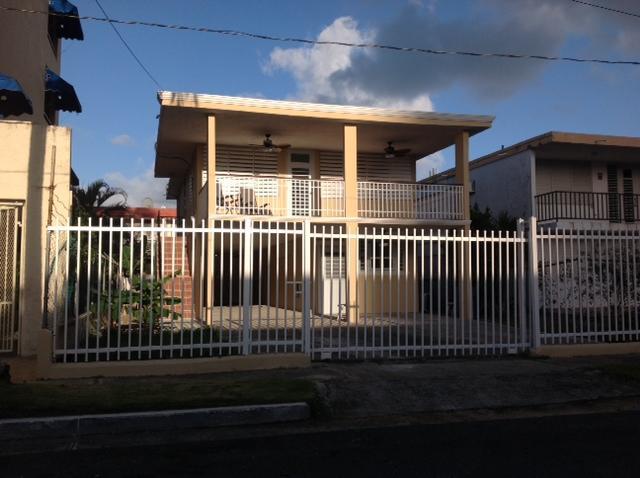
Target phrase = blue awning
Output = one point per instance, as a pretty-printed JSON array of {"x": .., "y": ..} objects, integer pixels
[
  {"x": 65, "y": 26},
  {"x": 59, "y": 94},
  {"x": 13, "y": 100}
]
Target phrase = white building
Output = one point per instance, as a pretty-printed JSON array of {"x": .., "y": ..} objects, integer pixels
[{"x": 565, "y": 179}]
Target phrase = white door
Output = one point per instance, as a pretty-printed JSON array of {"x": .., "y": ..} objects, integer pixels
[{"x": 9, "y": 223}]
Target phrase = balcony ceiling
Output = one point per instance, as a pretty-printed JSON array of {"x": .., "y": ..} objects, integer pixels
[{"x": 182, "y": 126}]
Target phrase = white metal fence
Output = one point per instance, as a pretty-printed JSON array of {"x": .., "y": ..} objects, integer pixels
[
  {"x": 588, "y": 286},
  {"x": 416, "y": 293},
  {"x": 125, "y": 291}
]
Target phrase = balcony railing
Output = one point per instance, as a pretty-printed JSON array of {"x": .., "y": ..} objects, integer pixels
[
  {"x": 590, "y": 206},
  {"x": 410, "y": 201},
  {"x": 285, "y": 197},
  {"x": 269, "y": 196}
]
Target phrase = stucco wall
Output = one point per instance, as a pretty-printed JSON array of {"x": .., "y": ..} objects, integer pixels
[
  {"x": 26, "y": 160},
  {"x": 26, "y": 51},
  {"x": 558, "y": 175},
  {"x": 505, "y": 185}
]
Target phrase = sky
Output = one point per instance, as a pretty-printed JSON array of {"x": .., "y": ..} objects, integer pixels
[{"x": 114, "y": 136}]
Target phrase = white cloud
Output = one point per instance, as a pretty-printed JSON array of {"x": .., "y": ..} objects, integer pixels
[
  {"x": 141, "y": 187},
  {"x": 123, "y": 140},
  {"x": 314, "y": 69}
]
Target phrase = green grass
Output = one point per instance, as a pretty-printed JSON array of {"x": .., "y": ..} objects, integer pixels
[
  {"x": 128, "y": 395},
  {"x": 626, "y": 372}
]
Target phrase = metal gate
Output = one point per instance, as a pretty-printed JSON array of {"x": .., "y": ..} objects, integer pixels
[{"x": 9, "y": 223}]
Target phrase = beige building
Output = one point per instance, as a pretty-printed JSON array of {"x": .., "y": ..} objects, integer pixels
[
  {"x": 35, "y": 163},
  {"x": 351, "y": 168}
]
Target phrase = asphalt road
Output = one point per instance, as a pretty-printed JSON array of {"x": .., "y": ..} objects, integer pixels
[{"x": 584, "y": 445}]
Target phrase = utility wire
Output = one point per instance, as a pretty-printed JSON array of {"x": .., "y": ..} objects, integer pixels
[
  {"x": 124, "y": 42},
  {"x": 609, "y": 9},
  {"x": 259, "y": 36}
]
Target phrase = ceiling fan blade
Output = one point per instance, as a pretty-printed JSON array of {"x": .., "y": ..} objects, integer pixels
[
  {"x": 282, "y": 146},
  {"x": 402, "y": 152}
]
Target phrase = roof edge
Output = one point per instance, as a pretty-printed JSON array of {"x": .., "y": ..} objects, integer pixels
[
  {"x": 200, "y": 100},
  {"x": 561, "y": 137}
]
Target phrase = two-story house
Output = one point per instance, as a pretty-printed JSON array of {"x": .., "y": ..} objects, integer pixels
[
  {"x": 566, "y": 180},
  {"x": 343, "y": 167},
  {"x": 35, "y": 158}
]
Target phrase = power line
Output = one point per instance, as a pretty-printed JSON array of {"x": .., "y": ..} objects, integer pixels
[
  {"x": 259, "y": 36},
  {"x": 609, "y": 9},
  {"x": 124, "y": 42}
]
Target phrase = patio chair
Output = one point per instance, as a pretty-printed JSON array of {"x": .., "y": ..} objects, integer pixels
[
  {"x": 248, "y": 204},
  {"x": 226, "y": 202}
]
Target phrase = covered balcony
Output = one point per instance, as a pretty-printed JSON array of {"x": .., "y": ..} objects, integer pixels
[{"x": 230, "y": 156}]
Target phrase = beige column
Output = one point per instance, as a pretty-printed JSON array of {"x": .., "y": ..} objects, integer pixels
[
  {"x": 211, "y": 166},
  {"x": 350, "y": 151},
  {"x": 282, "y": 206},
  {"x": 211, "y": 210},
  {"x": 462, "y": 170},
  {"x": 464, "y": 255}
]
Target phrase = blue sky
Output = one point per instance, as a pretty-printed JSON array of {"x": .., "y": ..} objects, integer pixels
[{"x": 113, "y": 138}]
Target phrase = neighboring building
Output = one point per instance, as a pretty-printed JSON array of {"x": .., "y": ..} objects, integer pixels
[
  {"x": 565, "y": 179},
  {"x": 35, "y": 161},
  {"x": 352, "y": 167}
]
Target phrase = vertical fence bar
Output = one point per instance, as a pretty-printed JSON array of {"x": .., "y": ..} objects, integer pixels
[
  {"x": 533, "y": 282},
  {"x": 247, "y": 294}
]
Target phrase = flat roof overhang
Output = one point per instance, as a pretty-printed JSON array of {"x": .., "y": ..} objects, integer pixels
[
  {"x": 245, "y": 121},
  {"x": 558, "y": 145}
]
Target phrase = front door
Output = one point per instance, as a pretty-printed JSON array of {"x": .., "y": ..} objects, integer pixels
[{"x": 301, "y": 190}]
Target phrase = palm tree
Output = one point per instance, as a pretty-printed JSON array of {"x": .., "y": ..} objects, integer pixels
[{"x": 98, "y": 194}]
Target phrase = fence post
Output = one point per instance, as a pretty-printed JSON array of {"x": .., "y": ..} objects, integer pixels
[
  {"x": 306, "y": 287},
  {"x": 247, "y": 283},
  {"x": 534, "y": 301}
]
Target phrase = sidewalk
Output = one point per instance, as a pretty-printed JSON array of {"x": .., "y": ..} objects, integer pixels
[
  {"x": 366, "y": 394},
  {"x": 377, "y": 389}
]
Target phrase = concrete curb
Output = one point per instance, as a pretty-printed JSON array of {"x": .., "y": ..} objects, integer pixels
[{"x": 167, "y": 420}]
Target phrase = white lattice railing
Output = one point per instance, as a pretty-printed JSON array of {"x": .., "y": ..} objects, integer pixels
[{"x": 270, "y": 196}]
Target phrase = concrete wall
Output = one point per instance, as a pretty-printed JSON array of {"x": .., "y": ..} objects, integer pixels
[
  {"x": 505, "y": 185},
  {"x": 26, "y": 166},
  {"x": 564, "y": 175},
  {"x": 582, "y": 176},
  {"x": 26, "y": 51}
]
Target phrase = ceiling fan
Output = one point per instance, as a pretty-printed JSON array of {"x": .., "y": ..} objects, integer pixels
[
  {"x": 391, "y": 152},
  {"x": 269, "y": 146}
]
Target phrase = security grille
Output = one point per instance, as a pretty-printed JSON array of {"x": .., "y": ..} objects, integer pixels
[{"x": 9, "y": 222}]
